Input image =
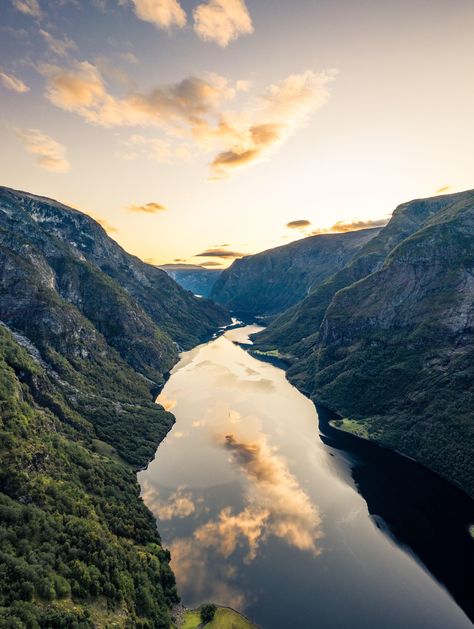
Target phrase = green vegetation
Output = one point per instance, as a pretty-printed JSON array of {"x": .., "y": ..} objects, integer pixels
[
  {"x": 388, "y": 340},
  {"x": 271, "y": 281},
  {"x": 352, "y": 426},
  {"x": 77, "y": 544},
  {"x": 224, "y": 618},
  {"x": 207, "y": 612}
]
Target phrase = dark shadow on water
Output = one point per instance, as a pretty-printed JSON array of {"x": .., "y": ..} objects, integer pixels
[{"x": 420, "y": 511}]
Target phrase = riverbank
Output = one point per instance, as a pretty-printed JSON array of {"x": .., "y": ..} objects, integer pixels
[{"x": 225, "y": 618}]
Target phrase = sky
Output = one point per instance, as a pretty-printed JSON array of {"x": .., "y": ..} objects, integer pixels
[{"x": 200, "y": 130}]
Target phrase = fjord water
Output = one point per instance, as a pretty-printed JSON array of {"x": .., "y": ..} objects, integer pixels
[{"x": 263, "y": 514}]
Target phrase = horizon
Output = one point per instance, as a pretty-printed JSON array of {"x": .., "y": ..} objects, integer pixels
[{"x": 341, "y": 126}]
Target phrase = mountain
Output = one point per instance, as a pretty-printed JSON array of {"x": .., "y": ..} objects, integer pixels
[
  {"x": 192, "y": 277},
  {"x": 292, "y": 331},
  {"x": 78, "y": 252},
  {"x": 274, "y": 280},
  {"x": 388, "y": 342},
  {"x": 87, "y": 332}
]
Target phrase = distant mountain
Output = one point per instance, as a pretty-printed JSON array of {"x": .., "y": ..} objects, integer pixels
[
  {"x": 192, "y": 277},
  {"x": 87, "y": 332},
  {"x": 388, "y": 342},
  {"x": 274, "y": 280}
]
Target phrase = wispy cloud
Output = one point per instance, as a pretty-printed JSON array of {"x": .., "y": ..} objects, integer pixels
[
  {"x": 299, "y": 224},
  {"x": 283, "y": 108},
  {"x": 343, "y": 226},
  {"x": 222, "y": 21},
  {"x": 195, "y": 109},
  {"x": 50, "y": 155},
  {"x": 147, "y": 208},
  {"x": 13, "y": 83},
  {"x": 161, "y": 13},
  {"x": 58, "y": 46},
  {"x": 443, "y": 189},
  {"x": 220, "y": 253},
  {"x": 211, "y": 263},
  {"x": 28, "y": 7},
  {"x": 110, "y": 229}
]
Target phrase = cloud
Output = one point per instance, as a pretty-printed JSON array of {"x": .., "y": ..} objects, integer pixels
[
  {"x": 443, "y": 189},
  {"x": 60, "y": 47},
  {"x": 13, "y": 83},
  {"x": 276, "y": 505},
  {"x": 50, "y": 155},
  {"x": 194, "y": 109},
  {"x": 28, "y": 7},
  {"x": 299, "y": 224},
  {"x": 219, "y": 253},
  {"x": 179, "y": 504},
  {"x": 342, "y": 226},
  {"x": 81, "y": 89},
  {"x": 147, "y": 208},
  {"x": 222, "y": 21},
  {"x": 161, "y": 13},
  {"x": 157, "y": 149},
  {"x": 283, "y": 108},
  {"x": 110, "y": 229},
  {"x": 211, "y": 263}
]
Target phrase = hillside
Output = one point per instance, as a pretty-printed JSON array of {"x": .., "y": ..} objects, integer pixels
[
  {"x": 274, "y": 280},
  {"x": 86, "y": 333},
  {"x": 194, "y": 278},
  {"x": 293, "y": 330},
  {"x": 79, "y": 252},
  {"x": 392, "y": 350}
]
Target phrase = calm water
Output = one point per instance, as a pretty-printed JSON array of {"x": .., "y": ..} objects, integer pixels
[{"x": 299, "y": 529}]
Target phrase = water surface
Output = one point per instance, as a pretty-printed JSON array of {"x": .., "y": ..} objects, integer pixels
[{"x": 262, "y": 513}]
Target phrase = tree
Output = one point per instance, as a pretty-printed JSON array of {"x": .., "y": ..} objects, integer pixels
[{"x": 208, "y": 612}]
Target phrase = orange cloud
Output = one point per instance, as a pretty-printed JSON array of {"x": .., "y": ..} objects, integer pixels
[
  {"x": 342, "y": 226},
  {"x": 222, "y": 21},
  {"x": 13, "y": 83},
  {"x": 443, "y": 189},
  {"x": 147, "y": 208},
  {"x": 28, "y": 7},
  {"x": 50, "y": 155},
  {"x": 277, "y": 505},
  {"x": 299, "y": 224},
  {"x": 220, "y": 253},
  {"x": 107, "y": 226},
  {"x": 160, "y": 13},
  {"x": 193, "y": 109}
]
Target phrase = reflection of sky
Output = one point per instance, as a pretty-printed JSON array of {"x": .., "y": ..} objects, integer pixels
[{"x": 249, "y": 505}]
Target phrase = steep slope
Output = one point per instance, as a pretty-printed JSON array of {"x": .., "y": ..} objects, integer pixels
[
  {"x": 59, "y": 233},
  {"x": 196, "y": 279},
  {"x": 79, "y": 549},
  {"x": 271, "y": 281},
  {"x": 295, "y": 331},
  {"x": 393, "y": 353},
  {"x": 82, "y": 345}
]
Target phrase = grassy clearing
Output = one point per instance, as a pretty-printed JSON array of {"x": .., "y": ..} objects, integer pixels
[
  {"x": 225, "y": 618},
  {"x": 351, "y": 426},
  {"x": 274, "y": 353}
]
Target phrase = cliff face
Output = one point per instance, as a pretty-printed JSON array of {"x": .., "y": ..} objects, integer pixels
[
  {"x": 271, "y": 281},
  {"x": 394, "y": 350},
  {"x": 294, "y": 330}
]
